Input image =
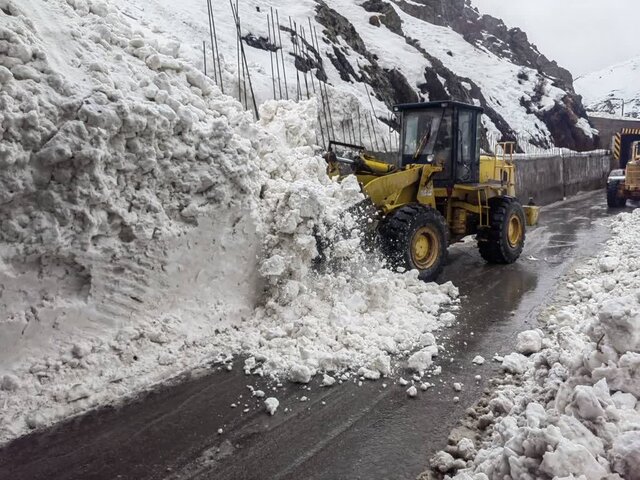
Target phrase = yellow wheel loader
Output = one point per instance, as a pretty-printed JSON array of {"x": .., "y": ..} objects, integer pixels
[
  {"x": 624, "y": 183},
  {"x": 439, "y": 189}
]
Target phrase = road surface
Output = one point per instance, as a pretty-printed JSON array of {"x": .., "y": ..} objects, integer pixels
[{"x": 344, "y": 432}]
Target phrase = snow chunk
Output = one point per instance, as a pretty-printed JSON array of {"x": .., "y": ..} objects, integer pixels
[
  {"x": 412, "y": 391},
  {"x": 466, "y": 448},
  {"x": 624, "y": 401},
  {"x": 442, "y": 461},
  {"x": 529, "y": 341},
  {"x": 514, "y": 363},
  {"x": 273, "y": 267},
  {"x": 5, "y": 74},
  {"x": 422, "y": 359},
  {"x": 570, "y": 458},
  {"x": 197, "y": 79},
  {"x": 328, "y": 380},
  {"x": 300, "y": 374},
  {"x": 478, "y": 360},
  {"x": 10, "y": 383},
  {"x": 608, "y": 264},
  {"x": 81, "y": 350},
  {"x": 625, "y": 455},
  {"x": 382, "y": 363},
  {"x": 620, "y": 319},
  {"x": 271, "y": 404},
  {"x": 78, "y": 392},
  {"x": 35, "y": 420},
  {"x": 624, "y": 377},
  {"x": 586, "y": 403}
]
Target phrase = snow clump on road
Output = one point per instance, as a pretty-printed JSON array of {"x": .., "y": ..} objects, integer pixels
[
  {"x": 576, "y": 413},
  {"x": 150, "y": 226}
]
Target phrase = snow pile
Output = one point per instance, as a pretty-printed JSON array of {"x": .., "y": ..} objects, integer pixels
[
  {"x": 149, "y": 226},
  {"x": 604, "y": 89},
  {"x": 577, "y": 413}
]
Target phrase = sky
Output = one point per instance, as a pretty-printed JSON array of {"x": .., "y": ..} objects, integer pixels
[{"x": 581, "y": 35}]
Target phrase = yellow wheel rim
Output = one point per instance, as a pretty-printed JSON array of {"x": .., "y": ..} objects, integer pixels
[
  {"x": 514, "y": 233},
  {"x": 425, "y": 247}
]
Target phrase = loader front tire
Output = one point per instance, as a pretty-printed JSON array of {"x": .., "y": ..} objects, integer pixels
[
  {"x": 614, "y": 199},
  {"x": 415, "y": 237},
  {"x": 503, "y": 241}
]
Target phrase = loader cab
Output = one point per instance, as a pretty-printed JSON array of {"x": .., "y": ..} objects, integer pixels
[
  {"x": 443, "y": 133},
  {"x": 635, "y": 151}
]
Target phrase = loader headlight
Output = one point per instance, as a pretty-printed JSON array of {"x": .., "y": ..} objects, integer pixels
[{"x": 431, "y": 158}]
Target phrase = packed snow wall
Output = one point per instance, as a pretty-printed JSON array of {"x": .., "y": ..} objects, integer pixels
[{"x": 102, "y": 183}]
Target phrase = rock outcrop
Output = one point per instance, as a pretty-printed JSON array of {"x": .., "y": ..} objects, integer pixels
[{"x": 561, "y": 115}]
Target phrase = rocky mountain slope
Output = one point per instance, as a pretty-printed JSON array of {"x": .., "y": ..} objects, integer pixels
[
  {"x": 397, "y": 51},
  {"x": 604, "y": 90}
]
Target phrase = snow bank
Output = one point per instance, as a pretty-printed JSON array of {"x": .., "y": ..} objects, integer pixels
[
  {"x": 149, "y": 226},
  {"x": 577, "y": 413}
]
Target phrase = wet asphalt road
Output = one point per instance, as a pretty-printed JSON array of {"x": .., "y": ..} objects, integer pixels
[{"x": 344, "y": 432}]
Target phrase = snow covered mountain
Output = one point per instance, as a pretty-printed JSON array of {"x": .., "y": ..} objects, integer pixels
[
  {"x": 397, "y": 51},
  {"x": 603, "y": 91}
]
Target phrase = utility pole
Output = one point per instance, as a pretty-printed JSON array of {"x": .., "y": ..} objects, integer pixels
[{"x": 622, "y": 102}]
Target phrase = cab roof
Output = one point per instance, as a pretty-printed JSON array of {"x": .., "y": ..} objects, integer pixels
[{"x": 433, "y": 105}]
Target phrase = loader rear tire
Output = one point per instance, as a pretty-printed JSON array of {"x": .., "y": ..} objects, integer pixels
[
  {"x": 503, "y": 241},
  {"x": 415, "y": 237},
  {"x": 614, "y": 199}
]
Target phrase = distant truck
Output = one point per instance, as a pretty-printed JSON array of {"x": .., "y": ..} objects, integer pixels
[{"x": 624, "y": 182}]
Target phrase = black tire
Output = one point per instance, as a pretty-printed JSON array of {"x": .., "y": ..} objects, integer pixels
[
  {"x": 415, "y": 237},
  {"x": 614, "y": 199},
  {"x": 494, "y": 242}
]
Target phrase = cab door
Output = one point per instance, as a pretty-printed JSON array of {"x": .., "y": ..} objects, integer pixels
[{"x": 467, "y": 157}]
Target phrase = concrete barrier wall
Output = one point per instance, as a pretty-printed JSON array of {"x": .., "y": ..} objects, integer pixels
[{"x": 548, "y": 179}]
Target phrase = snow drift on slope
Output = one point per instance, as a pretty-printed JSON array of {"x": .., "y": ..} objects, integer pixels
[
  {"x": 577, "y": 413},
  {"x": 379, "y": 64},
  {"x": 150, "y": 226},
  {"x": 603, "y": 90}
]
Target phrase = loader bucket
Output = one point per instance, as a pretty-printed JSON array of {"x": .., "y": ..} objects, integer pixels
[{"x": 531, "y": 214}]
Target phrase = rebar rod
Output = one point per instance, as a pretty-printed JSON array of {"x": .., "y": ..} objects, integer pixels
[
  {"x": 275, "y": 42},
  {"x": 302, "y": 55},
  {"x": 204, "y": 56},
  {"x": 366, "y": 119},
  {"x": 326, "y": 97},
  {"x": 323, "y": 101},
  {"x": 284, "y": 70},
  {"x": 244, "y": 58},
  {"x": 353, "y": 130},
  {"x": 359, "y": 123},
  {"x": 238, "y": 55},
  {"x": 294, "y": 41},
  {"x": 316, "y": 47},
  {"x": 245, "y": 68},
  {"x": 217, "y": 51},
  {"x": 273, "y": 80},
  {"x": 306, "y": 48},
  {"x": 213, "y": 55},
  {"x": 366, "y": 87}
]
